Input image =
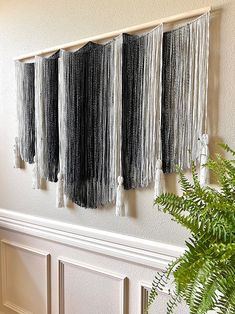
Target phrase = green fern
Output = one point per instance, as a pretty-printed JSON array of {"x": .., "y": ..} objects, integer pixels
[{"x": 204, "y": 276}]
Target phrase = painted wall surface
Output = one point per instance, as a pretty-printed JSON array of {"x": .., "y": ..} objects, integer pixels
[{"x": 28, "y": 25}]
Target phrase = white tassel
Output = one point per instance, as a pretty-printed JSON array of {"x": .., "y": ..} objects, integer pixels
[
  {"x": 36, "y": 181},
  {"x": 159, "y": 187},
  {"x": 204, "y": 154},
  {"x": 17, "y": 158},
  {"x": 60, "y": 191},
  {"x": 120, "y": 206}
]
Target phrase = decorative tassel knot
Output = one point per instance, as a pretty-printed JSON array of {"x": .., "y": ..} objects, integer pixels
[
  {"x": 120, "y": 206},
  {"x": 159, "y": 180},
  {"x": 60, "y": 191}
]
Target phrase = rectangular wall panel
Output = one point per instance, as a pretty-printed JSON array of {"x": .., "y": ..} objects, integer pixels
[
  {"x": 25, "y": 274},
  {"x": 85, "y": 289}
]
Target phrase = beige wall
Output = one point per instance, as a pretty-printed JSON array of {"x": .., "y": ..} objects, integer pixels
[{"x": 31, "y": 25}]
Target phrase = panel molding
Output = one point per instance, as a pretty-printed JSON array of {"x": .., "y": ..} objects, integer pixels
[
  {"x": 45, "y": 255},
  {"x": 141, "y": 251},
  {"x": 91, "y": 268}
]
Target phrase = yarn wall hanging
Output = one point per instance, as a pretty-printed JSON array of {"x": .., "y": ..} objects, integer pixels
[{"x": 115, "y": 116}]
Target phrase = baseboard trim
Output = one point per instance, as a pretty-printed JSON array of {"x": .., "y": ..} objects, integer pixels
[{"x": 133, "y": 249}]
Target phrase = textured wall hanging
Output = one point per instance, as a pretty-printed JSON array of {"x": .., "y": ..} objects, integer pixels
[{"x": 108, "y": 117}]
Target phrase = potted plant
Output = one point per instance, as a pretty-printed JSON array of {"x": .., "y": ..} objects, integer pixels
[{"x": 204, "y": 276}]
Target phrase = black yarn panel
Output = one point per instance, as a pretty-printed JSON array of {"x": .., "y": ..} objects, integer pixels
[
  {"x": 29, "y": 111},
  {"x": 82, "y": 72},
  {"x": 174, "y": 82},
  {"x": 168, "y": 74},
  {"x": 132, "y": 97},
  {"x": 51, "y": 115}
]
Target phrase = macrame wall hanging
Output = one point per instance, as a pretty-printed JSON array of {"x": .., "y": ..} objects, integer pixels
[{"x": 115, "y": 116}]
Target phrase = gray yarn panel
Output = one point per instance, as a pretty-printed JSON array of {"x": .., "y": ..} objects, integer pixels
[
  {"x": 184, "y": 98},
  {"x": 25, "y": 109},
  {"x": 46, "y": 107},
  {"x": 141, "y": 99}
]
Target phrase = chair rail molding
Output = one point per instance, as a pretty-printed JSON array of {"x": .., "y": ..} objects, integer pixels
[{"x": 141, "y": 251}]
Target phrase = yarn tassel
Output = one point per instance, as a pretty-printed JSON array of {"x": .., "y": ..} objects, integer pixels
[
  {"x": 120, "y": 206},
  {"x": 60, "y": 191},
  {"x": 36, "y": 175},
  {"x": 159, "y": 187},
  {"x": 17, "y": 158},
  {"x": 204, "y": 155}
]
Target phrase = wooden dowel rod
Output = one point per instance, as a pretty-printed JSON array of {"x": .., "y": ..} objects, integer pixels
[{"x": 132, "y": 29}]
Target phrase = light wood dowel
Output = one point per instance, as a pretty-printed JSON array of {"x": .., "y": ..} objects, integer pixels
[{"x": 132, "y": 29}]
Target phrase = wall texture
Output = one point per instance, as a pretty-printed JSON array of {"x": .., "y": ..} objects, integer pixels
[{"x": 32, "y": 25}]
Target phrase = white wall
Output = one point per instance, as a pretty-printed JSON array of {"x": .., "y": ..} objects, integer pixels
[{"x": 31, "y": 25}]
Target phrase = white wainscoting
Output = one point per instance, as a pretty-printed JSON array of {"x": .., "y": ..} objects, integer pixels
[{"x": 51, "y": 267}]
